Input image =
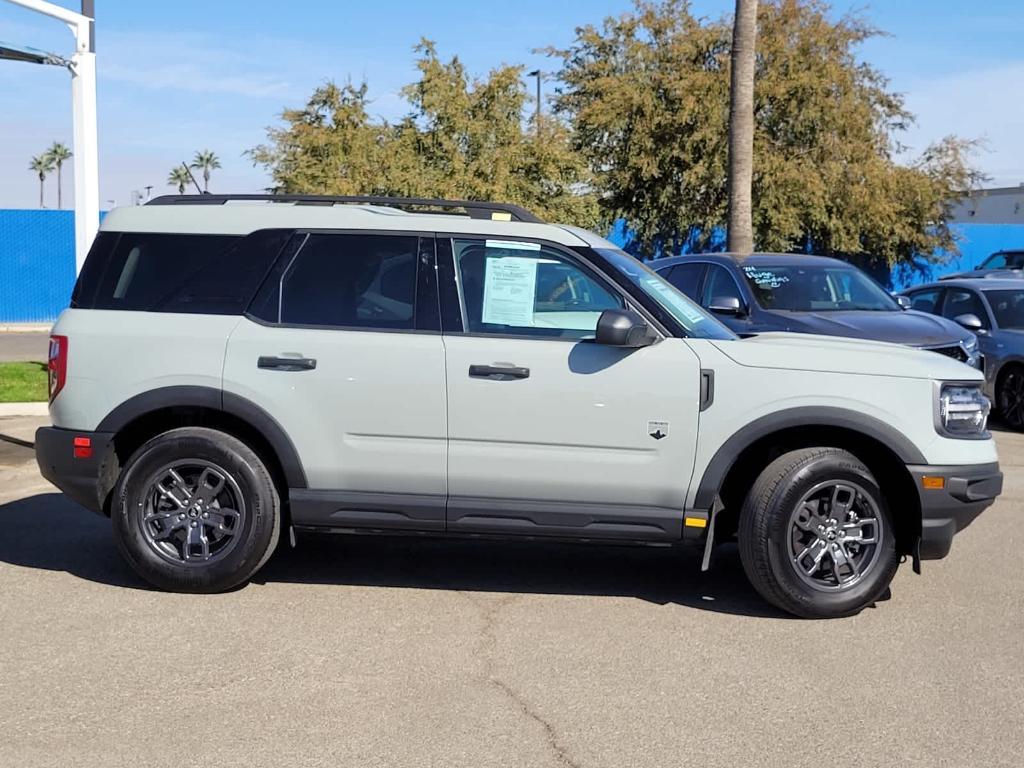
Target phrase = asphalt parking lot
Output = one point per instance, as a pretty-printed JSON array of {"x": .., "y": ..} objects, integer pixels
[{"x": 374, "y": 652}]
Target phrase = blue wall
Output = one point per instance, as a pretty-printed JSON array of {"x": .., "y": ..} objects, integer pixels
[
  {"x": 37, "y": 264},
  {"x": 37, "y": 260},
  {"x": 976, "y": 242}
]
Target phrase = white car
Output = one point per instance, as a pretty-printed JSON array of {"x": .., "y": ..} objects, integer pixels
[{"x": 237, "y": 368}]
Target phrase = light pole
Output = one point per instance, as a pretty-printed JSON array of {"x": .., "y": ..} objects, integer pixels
[
  {"x": 83, "y": 101},
  {"x": 536, "y": 112}
]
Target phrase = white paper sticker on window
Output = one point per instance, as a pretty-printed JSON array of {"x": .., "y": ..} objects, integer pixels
[
  {"x": 510, "y": 289},
  {"x": 670, "y": 296},
  {"x": 512, "y": 245}
]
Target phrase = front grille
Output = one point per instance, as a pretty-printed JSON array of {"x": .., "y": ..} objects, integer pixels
[{"x": 957, "y": 352}]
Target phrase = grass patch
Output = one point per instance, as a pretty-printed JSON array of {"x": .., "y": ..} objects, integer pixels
[{"x": 23, "y": 383}]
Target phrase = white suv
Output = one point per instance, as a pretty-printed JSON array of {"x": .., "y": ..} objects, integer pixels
[{"x": 236, "y": 367}]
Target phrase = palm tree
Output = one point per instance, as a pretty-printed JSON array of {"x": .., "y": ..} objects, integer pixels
[
  {"x": 741, "y": 127},
  {"x": 41, "y": 164},
  {"x": 59, "y": 153},
  {"x": 206, "y": 161},
  {"x": 179, "y": 177}
]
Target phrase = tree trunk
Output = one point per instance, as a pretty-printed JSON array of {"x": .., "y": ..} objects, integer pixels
[
  {"x": 60, "y": 201},
  {"x": 41, "y": 202},
  {"x": 741, "y": 127}
]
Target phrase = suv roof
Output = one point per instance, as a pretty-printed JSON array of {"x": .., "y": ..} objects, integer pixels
[
  {"x": 244, "y": 214},
  {"x": 776, "y": 259}
]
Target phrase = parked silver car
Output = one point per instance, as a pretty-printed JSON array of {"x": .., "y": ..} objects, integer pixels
[{"x": 994, "y": 309}]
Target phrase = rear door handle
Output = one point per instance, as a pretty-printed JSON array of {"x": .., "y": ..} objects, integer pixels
[
  {"x": 499, "y": 372},
  {"x": 286, "y": 363}
]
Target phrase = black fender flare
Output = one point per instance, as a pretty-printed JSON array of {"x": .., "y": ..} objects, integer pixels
[
  {"x": 807, "y": 416},
  {"x": 216, "y": 400}
]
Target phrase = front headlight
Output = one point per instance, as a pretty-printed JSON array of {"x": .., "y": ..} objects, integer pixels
[
  {"x": 971, "y": 345},
  {"x": 963, "y": 411}
]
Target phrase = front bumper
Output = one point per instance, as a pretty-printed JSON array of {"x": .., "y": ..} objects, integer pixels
[
  {"x": 967, "y": 491},
  {"x": 86, "y": 479}
]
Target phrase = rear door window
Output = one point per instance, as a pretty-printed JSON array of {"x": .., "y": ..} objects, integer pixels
[{"x": 351, "y": 281}]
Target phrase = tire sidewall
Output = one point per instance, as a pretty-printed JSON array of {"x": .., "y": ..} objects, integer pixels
[
  {"x": 780, "y": 507},
  {"x": 259, "y": 521},
  {"x": 1015, "y": 423}
]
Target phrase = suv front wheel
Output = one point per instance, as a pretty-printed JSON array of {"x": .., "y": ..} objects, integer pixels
[
  {"x": 815, "y": 534},
  {"x": 196, "y": 511}
]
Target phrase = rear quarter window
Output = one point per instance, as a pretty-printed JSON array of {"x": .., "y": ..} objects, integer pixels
[{"x": 184, "y": 273}]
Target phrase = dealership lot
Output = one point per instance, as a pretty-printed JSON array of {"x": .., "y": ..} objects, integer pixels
[{"x": 363, "y": 651}]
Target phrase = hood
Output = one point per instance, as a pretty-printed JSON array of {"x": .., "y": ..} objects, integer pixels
[
  {"x": 802, "y": 351},
  {"x": 915, "y": 329}
]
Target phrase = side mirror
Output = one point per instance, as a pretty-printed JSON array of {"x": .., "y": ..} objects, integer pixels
[
  {"x": 969, "y": 321},
  {"x": 726, "y": 305},
  {"x": 623, "y": 328},
  {"x": 904, "y": 302}
]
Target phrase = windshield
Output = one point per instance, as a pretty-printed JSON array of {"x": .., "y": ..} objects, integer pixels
[
  {"x": 816, "y": 288},
  {"x": 1004, "y": 260},
  {"x": 1008, "y": 307},
  {"x": 695, "y": 321}
]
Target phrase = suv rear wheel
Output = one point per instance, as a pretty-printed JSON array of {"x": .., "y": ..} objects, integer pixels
[
  {"x": 816, "y": 537},
  {"x": 196, "y": 511}
]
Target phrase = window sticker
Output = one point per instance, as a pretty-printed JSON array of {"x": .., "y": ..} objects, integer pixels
[
  {"x": 512, "y": 245},
  {"x": 673, "y": 298},
  {"x": 765, "y": 278},
  {"x": 510, "y": 290}
]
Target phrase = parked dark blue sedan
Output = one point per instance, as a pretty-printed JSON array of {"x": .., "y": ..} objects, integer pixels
[{"x": 810, "y": 294}]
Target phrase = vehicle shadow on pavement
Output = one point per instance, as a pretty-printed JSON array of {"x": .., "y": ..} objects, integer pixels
[{"x": 49, "y": 532}]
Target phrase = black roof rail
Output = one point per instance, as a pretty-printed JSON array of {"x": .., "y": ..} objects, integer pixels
[{"x": 475, "y": 209}]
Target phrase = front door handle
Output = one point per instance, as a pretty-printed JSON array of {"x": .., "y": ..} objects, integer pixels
[
  {"x": 499, "y": 372},
  {"x": 286, "y": 363}
]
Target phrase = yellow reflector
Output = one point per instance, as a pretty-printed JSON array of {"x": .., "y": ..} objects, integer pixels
[
  {"x": 933, "y": 483},
  {"x": 696, "y": 522},
  {"x": 501, "y": 216}
]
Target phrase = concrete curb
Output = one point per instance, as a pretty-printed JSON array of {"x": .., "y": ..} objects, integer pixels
[
  {"x": 25, "y": 327},
  {"x": 24, "y": 409}
]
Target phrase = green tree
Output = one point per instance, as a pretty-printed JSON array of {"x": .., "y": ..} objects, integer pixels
[
  {"x": 179, "y": 177},
  {"x": 207, "y": 162},
  {"x": 42, "y": 165},
  {"x": 462, "y": 138},
  {"x": 647, "y": 96},
  {"x": 59, "y": 153}
]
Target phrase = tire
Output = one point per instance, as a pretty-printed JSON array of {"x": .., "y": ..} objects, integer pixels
[
  {"x": 779, "y": 528},
  {"x": 213, "y": 521},
  {"x": 1010, "y": 397}
]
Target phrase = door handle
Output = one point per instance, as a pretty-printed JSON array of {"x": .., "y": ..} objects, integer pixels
[
  {"x": 499, "y": 372},
  {"x": 286, "y": 363}
]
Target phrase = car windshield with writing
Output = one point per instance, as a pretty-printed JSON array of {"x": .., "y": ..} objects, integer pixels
[{"x": 816, "y": 288}]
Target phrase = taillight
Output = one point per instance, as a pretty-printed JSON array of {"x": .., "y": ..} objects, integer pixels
[{"x": 57, "y": 364}]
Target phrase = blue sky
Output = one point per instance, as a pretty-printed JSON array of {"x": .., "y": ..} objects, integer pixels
[{"x": 184, "y": 75}]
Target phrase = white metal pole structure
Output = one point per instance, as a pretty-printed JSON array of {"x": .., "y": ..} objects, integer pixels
[{"x": 83, "y": 100}]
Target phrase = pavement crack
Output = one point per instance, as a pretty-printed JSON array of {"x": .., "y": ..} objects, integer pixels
[{"x": 488, "y": 643}]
